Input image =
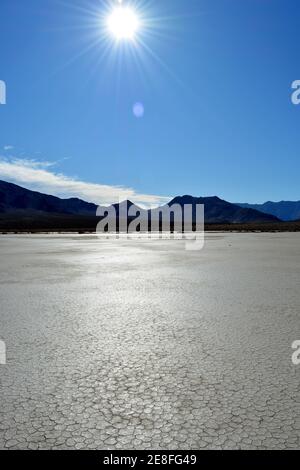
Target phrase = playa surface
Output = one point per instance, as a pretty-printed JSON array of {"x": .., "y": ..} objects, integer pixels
[{"x": 142, "y": 344}]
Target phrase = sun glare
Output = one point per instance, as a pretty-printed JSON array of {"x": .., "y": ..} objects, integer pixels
[{"x": 123, "y": 23}]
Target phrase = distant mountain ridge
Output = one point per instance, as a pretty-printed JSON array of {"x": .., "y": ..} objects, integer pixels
[
  {"x": 219, "y": 211},
  {"x": 216, "y": 210},
  {"x": 17, "y": 200},
  {"x": 284, "y": 210}
]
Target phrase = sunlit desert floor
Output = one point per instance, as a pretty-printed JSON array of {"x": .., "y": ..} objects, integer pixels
[{"x": 135, "y": 345}]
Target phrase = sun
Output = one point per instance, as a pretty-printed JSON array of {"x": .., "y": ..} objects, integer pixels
[{"x": 123, "y": 23}]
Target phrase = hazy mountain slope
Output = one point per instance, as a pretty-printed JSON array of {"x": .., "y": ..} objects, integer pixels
[{"x": 284, "y": 210}]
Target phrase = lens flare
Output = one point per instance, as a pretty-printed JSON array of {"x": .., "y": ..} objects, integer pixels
[{"x": 138, "y": 110}]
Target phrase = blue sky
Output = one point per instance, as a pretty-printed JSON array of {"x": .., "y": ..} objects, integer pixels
[{"x": 214, "y": 77}]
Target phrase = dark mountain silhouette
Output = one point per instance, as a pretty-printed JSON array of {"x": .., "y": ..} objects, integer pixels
[
  {"x": 127, "y": 205},
  {"x": 18, "y": 203},
  {"x": 284, "y": 210},
  {"x": 219, "y": 211},
  {"x": 216, "y": 210},
  {"x": 15, "y": 198}
]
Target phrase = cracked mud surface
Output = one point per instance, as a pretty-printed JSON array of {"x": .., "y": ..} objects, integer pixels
[{"x": 126, "y": 345}]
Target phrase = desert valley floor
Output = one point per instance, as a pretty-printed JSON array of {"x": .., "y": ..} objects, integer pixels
[{"x": 141, "y": 344}]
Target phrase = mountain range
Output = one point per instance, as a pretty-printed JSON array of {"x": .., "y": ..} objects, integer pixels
[
  {"x": 19, "y": 202},
  {"x": 284, "y": 210},
  {"x": 14, "y": 198}
]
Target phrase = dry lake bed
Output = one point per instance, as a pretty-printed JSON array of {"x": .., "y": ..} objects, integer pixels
[{"x": 144, "y": 345}]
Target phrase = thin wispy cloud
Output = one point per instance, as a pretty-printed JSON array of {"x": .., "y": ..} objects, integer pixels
[
  {"x": 31, "y": 163},
  {"x": 40, "y": 176},
  {"x": 8, "y": 147}
]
